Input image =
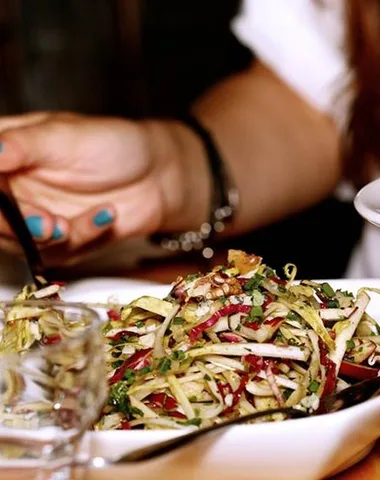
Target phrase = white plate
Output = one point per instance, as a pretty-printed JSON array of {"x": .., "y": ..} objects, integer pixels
[
  {"x": 305, "y": 449},
  {"x": 367, "y": 202}
]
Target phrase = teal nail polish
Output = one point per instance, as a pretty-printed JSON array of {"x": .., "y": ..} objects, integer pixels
[
  {"x": 1, "y": 146},
  {"x": 35, "y": 225},
  {"x": 103, "y": 218},
  {"x": 57, "y": 234}
]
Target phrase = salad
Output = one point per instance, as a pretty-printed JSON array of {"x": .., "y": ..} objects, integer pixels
[{"x": 236, "y": 340}]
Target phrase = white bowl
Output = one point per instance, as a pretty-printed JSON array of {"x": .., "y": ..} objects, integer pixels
[{"x": 367, "y": 202}]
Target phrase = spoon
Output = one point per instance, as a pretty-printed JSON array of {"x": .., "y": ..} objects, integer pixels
[
  {"x": 15, "y": 219},
  {"x": 332, "y": 403}
]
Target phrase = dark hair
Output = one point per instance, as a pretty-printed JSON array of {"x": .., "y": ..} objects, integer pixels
[{"x": 362, "y": 149}]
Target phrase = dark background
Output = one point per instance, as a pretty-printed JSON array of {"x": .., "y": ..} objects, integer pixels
[{"x": 141, "y": 58}]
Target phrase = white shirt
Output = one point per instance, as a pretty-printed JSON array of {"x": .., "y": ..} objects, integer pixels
[{"x": 303, "y": 42}]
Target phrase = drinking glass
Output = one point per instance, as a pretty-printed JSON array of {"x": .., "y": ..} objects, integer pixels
[{"x": 52, "y": 384}]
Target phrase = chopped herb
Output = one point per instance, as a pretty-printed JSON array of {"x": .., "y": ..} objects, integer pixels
[
  {"x": 145, "y": 370},
  {"x": 253, "y": 282},
  {"x": 256, "y": 311},
  {"x": 346, "y": 293},
  {"x": 327, "y": 290},
  {"x": 178, "y": 321},
  {"x": 207, "y": 377},
  {"x": 257, "y": 298},
  {"x": 350, "y": 344},
  {"x": 333, "y": 303},
  {"x": 129, "y": 376},
  {"x": 164, "y": 366},
  {"x": 293, "y": 316},
  {"x": 238, "y": 328},
  {"x": 313, "y": 387},
  {"x": 137, "y": 412},
  {"x": 115, "y": 354},
  {"x": 268, "y": 272},
  {"x": 281, "y": 289},
  {"x": 140, "y": 324},
  {"x": 286, "y": 393},
  {"x": 178, "y": 355},
  {"x": 117, "y": 364},
  {"x": 118, "y": 397},
  {"x": 223, "y": 300},
  {"x": 194, "y": 421}
]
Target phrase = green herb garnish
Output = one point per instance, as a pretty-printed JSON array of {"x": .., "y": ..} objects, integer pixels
[
  {"x": 350, "y": 344},
  {"x": 164, "y": 366},
  {"x": 193, "y": 421},
  {"x": 145, "y": 370},
  {"x": 178, "y": 355},
  {"x": 253, "y": 282},
  {"x": 178, "y": 321},
  {"x": 313, "y": 387},
  {"x": 333, "y": 304},
  {"x": 327, "y": 290},
  {"x": 118, "y": 397}
]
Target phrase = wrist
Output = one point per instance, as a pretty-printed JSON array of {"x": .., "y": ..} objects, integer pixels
[{"x": 182, "y": 174}]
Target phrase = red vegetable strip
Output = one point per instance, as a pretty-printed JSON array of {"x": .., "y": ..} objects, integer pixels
[
  {"x": 237, "y": 394},
  {"x": 256, "y": 363},
  {"x": 330, "y": 370},
  {"x": 277, "y": 280},
  {"x": 273, "y": 322},
  {"x": 268, "y": 300},
  {"x": 137, "y": 361},
  {"x": 52, "y": 339},
  {"x": 230, "y": 337},
  {"x": 162, "y": 400},
  {"x": 358, "y": 372},
  {"x": 223, "y": 312},
  {"x": 113, "y": 315},
  {"x": 253, "y": 325},
  {"x": 120, "y": 335},
  {"x": 125, "y": 425}
]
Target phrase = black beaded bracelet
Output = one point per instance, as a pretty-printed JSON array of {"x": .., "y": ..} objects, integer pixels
[{"x": 224, "y": 203}]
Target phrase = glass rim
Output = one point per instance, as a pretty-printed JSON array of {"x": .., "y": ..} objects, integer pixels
[{"x": 93, "y": 325}]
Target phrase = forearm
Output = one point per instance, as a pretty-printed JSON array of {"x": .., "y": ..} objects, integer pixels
[{"x": 283, "y": 155}]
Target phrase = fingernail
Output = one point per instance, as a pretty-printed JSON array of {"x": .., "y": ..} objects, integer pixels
[
  {"x": 57, "y": 234},
  {"x": 1, "y": 146},
  {"x": 35, "y": 225},
  {"x": 102, "y": 218}
]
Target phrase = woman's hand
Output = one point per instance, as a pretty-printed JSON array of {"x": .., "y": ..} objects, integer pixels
[{"x": 82, "y": 179}]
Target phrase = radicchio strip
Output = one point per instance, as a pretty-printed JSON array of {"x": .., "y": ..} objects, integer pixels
[
  {"x": 237, "y": 394},
  {"x": 161, "y": 400},
  {"x": 52, "y": 339},
  {"x": 223, "y": 312},
  {"x": 113, "y": 315},
  {"x": 137, "y": 361},
  {"x": 330, "y": 370}
]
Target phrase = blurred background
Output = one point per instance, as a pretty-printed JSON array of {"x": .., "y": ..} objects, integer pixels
[
  {"x": 139, "y": 58},
  {"x": 87, "y": 55}
]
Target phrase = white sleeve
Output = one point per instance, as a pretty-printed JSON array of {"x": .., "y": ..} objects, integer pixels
[{"x": 301, "y": 42}]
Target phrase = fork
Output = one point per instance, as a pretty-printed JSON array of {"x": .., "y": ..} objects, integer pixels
[{"x": 15, "y": 219}]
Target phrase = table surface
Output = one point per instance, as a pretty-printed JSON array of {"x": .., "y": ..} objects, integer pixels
[{"x": 367, "y": 469}]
